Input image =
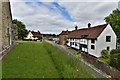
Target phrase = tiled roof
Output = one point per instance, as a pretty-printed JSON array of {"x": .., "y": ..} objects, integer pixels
[
  {"x": 92, "y": 32},
  {"x": 36, "y": 33},
  {"x": 64, "y": 33}
]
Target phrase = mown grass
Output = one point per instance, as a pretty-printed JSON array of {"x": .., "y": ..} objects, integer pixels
[
  {"x": 42, "y": 60},
  {"x": 0, "y": 69},
  {"x": 28, "y": 60},
  {"x": 105, "y": 60}
]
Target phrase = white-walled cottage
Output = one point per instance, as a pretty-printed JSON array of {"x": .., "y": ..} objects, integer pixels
[
  {"x": 34, "y": 35},
  {"x": 93, "y": 40}
]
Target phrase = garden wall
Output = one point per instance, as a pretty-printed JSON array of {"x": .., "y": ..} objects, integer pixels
[
  {"x": 6, "y": 50},
  {"x": 100, "y": 65}
]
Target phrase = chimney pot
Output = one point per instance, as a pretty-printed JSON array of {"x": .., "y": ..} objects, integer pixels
[
  {"x": 76, "y": 27},
  {"x": 89, "y": 25}
]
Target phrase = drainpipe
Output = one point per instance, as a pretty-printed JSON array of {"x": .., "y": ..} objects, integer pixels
[
  {"x": 87, "y": 45},
  {"x": 79, "y": 47}
]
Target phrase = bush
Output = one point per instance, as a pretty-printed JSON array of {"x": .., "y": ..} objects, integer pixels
[
  {"x": 114, "y": 51},
  {"x": 66, "y": 39},
  {"x": 115, "y": 60},
  {"x": 105, "y": 53},
  {"x": 27, "y": 39}
]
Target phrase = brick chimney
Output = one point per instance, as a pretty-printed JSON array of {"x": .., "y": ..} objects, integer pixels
[
  {"x": 89, "y": 25},
  {"x": 76, "y": 27}
]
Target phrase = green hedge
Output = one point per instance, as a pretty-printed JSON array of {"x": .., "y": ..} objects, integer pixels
[
  {"x": 115, "y": 51},
  {"x": 105, "y": 53},
  {"x": 115, "y": 58},
  {"x": 115, "y": 61},
  {"x": 27, "y": 39}
]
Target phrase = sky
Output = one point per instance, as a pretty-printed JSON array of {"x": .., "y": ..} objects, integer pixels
[{"x": 53, "y": 16}]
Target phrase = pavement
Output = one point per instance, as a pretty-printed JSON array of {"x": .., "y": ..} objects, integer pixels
[{"x": 98, "y": 73}]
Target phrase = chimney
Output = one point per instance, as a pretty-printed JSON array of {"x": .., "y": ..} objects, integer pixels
[
  {"x": 76, "y": 27},
  {"x": 38, "y": 31},
  {"x": 89, "y": 25}
]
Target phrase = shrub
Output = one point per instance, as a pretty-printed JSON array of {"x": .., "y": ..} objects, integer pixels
[
  {"x": 114, "y": 51},
  {"x": 27, "y": 39},
  {"x": 115, "y": 60},
  {"x": 105, "y": 54},
  {"x": 66, "y": 39}
]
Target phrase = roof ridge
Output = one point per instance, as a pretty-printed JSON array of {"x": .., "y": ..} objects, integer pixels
[{"x": 93, "y": 32}]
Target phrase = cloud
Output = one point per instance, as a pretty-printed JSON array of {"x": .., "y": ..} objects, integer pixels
[
  {"x": 54, "y": 6},
  {"x": 93, "y": 12},
  {"x": 64, "y": 0},
  {"x": 53, "y": 17}
]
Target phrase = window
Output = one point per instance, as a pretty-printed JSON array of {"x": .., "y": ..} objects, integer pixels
[
  {"x": 85, "y": 46},
  {"x": 92, "y": 47},
  {"x": 70, "y": 43},
  {"x": 73, "y": 43},
  {"x": 108, "y": 48},
  {"x": 92, "y": 41},
  {"x": 108, "y": 38},
  {"x": 76, "y": 44},
  {"x": 84, "y": 36}
]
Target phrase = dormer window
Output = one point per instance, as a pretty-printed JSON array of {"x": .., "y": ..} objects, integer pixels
[{"x": 84, "y": 36}]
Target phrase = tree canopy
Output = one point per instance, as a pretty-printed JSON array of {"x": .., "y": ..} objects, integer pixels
[
  {"x": 22, "y": 31},
  {"x": 114, "y": 20}
]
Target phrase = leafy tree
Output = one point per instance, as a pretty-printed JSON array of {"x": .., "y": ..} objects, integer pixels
[
  {"x": 114, "y": 20},
  {"x": 22, "y": 31}
]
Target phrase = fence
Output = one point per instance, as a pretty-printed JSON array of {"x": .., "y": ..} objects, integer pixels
[{"x": 100, "y": 65}]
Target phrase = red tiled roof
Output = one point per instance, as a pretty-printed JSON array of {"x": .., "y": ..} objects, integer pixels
[
  {"x": 64, "y": 33},
  {"x": 36, "y": 33},
  {"x": 92, "y": 32}
]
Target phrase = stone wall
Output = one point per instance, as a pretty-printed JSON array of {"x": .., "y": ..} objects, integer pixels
[
  {"x": 8, "y": 31},
  {"x": 5, "y": 25},
  {"x": 14, "y": 33},
  {"x": 100, "y": 65},
  {"x": 0, "y": 26}
]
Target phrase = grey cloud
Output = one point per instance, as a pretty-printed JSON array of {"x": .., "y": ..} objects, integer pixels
[{"x": 41, "y": 18}]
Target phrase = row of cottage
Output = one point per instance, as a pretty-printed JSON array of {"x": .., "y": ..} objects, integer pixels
[
  {"x": 91, "y": 40},
  {"x": 8, "y": 31}
]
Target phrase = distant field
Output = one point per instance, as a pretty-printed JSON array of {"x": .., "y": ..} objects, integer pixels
[{"x": 41, "y": 60}]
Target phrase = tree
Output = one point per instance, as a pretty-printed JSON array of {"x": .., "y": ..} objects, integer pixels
[
  {"x": 22, "y": 31},
  {"x": 114, "y": 20}
]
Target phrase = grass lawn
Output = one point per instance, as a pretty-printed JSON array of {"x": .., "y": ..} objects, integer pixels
[
  {"x": 105, "y": 60},
  {"x": 41, "y": 60}
]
